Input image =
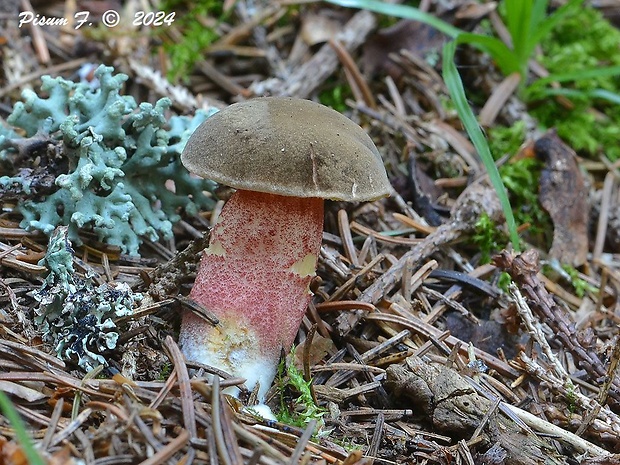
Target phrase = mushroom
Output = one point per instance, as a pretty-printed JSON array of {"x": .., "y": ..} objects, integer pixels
[{"x": 284, "y": 156}]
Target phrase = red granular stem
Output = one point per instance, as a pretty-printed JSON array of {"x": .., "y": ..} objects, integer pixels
[{"x": 257, "y": 269}]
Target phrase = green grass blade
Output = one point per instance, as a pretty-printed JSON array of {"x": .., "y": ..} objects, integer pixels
[
  {"x": 503, "y": 56},
  {"x": 537, "y": 20},
  {"x": 580, "y": 75},
  {"x": 518, "y": 22},
  {"x": 546, "y": 24},
  {"x": 538, "y": 15},
  {"x": 400, "y": 11},
  {"x": 20, "y": 430},
  {"x": 605, "y": 95},
  {"x": 600, "y": 94},
  {"x": 457, "y": 92}
]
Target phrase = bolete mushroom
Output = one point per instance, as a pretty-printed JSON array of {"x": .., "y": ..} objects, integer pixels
[{"x": 284, "y": 156}]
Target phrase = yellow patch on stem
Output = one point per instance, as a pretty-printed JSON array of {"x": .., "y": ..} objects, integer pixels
[
  {"x": 215, "y": 248},
  {"x": 306, "y": 266}
]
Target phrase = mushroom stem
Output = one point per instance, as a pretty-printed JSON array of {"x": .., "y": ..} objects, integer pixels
[{"x": 255, "y": 278}]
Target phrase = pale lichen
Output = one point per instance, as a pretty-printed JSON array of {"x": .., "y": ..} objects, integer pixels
[
  {"x": 115, "y": 165},
  {"x": 75, "y": 315}
]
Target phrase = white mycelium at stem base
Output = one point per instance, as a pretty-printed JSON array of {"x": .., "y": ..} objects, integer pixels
[{"x": 254, "y": 277}]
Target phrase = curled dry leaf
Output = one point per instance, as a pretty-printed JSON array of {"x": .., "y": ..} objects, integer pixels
[
  {"x": 563, "y": 193},
  {"x": 320, "y": 346}
]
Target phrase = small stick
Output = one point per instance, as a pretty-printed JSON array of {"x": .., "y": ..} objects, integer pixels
[
  {"x": 342, "y": 290},
  {"x": 377, "y": 435},
  {"x": 603, "y": 219},
  {"x": 51, "y": 429},
  {"x": 302, "y": 442},
  {"x": 536, "y": 331},
  {"x": 358, "y": 228},
  {"x": 167, "y": 452},
  {"x": 347, "y": 239},
  {"x": 185, "y": 389},
  {"x": 257, "y": 442},
  {"x": 498, "y": 99},
  {"x": 356, "y": 76},
  {"x": 543, "y": 426},
  {"x": 38, "y": 40},
  {"x": 217, "y": 422},
  {"x": 71, "y": 427},
  {"x": 166, "y": 388}
]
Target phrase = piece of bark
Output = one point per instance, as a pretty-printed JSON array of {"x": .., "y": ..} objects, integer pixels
[
  {"x": 564, "y": 194},
  {"x": 454, "y": 407}
]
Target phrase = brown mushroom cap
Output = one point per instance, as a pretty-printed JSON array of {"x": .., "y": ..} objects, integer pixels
[{"x": 287, "y": 146}]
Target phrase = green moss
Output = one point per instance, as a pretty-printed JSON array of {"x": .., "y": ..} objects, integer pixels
[
  {"x": 488, "y": 237},
  {"x": 521, "y": 179},
  {"x": 571, "y": 398},
  {"x": 504, "y": 281},
  {"x": 580, "y": 285},
  {"x": 166, "y": 369},
  {"x": 505, "y": 140},
  {"x": 196, "y": 36},
  {"x": 335, "y": 95},
  {"x": 582, "y": 40},
  {"x": 302, "y": 409}
]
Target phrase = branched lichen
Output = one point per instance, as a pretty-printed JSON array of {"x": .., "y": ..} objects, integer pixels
[
  {"x": 5, "y": 135},
  {"x": 122, "y": 173},
  {"x": 73, "y": 314}
]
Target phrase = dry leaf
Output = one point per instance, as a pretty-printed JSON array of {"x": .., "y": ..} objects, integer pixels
[
  {"x": 563, "y": 193},
  {"x": 321, "y": 346}
]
